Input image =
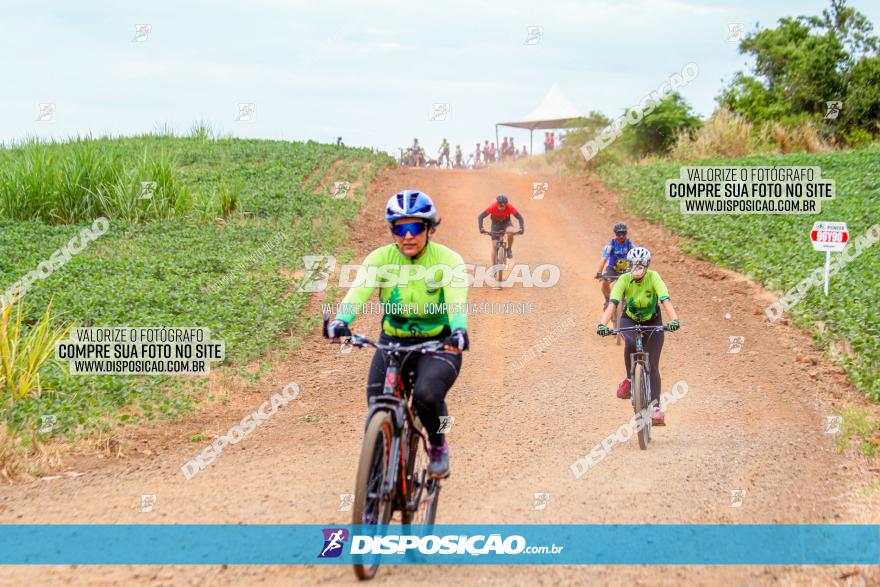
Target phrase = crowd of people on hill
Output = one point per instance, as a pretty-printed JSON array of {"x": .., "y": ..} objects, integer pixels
[
  {"x": 489, "y": 153},
  {"x": 485, "y": 154}
]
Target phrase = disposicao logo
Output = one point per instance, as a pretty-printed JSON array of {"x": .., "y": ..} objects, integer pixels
[{"x": 334, "y": 540}]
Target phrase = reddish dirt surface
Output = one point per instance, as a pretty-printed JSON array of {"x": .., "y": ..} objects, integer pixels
[{"x": 752, "y": 421}]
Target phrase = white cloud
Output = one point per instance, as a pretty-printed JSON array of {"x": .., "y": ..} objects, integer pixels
[{"x": 370, "y": 73}]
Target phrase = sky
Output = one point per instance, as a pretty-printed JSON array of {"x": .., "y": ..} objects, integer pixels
[{"x": 370, "y": 72}]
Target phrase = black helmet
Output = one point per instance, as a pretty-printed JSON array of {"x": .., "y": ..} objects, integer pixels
[
  {"x": 620, "y": 227},
  {"x": 501, "y": 199}
]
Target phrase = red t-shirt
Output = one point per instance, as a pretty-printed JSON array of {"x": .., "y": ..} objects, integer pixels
[{"x": 497, "y": 214}]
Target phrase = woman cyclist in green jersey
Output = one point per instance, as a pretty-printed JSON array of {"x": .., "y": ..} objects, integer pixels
[
  {"x": 415, "y": 310},
  {"x": 643, "y": 293}
]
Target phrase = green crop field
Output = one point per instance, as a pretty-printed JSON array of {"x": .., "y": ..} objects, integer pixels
[
  {"x": 775, "y": 249},
  {"x": 213, "y": 243}
]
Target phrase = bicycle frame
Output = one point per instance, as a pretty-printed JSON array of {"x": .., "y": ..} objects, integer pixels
[
  {"x": 640, "y": 355},
  {"x": 396, "y": 399},
  {"x": 641, "y": 386},
  {"x": 500, "y": 243},
  {"x": 500, "y": 236},
  {"x": 500, "y": 249}
]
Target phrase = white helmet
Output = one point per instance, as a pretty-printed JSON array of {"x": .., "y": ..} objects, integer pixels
[
  {"x": 639, "y": 256},
  {"x": 411, "y": 204}
]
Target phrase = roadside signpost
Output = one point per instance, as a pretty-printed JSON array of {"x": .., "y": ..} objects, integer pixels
[{"x": 830, "y": 237}]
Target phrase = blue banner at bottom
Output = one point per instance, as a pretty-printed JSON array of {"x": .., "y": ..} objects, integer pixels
[{"x": 624, "y": 544}]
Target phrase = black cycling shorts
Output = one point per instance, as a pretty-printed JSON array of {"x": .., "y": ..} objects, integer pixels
[{"x": 498, "y": 228}]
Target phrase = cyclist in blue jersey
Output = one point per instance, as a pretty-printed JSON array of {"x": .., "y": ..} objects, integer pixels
[{"x": 613, "y": 261}]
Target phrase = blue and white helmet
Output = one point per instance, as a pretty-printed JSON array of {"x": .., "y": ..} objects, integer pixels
[
  {"x": 639, "y": 256},
  {"x": 411, "y": 204}
]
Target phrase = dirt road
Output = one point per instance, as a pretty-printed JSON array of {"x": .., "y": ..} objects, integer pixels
[{"x": 747, "y": 444}]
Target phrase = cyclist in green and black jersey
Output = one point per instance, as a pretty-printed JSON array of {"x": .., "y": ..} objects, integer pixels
[
  {"x": 642, "y": 292},
  {"x": 412, "y": 316}
]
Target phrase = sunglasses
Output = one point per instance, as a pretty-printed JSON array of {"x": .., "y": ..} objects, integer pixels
[
  {"x": 414, "y": 228},
  {"x": 622, "y": 233}
]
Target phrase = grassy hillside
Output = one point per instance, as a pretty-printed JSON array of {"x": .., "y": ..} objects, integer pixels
[
  {"x": 775, "y": 249},
  {"x": 215, "y": 246}
]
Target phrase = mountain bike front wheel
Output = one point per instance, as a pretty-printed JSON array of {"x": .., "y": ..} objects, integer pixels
[
  {"x": 370, "y": 506},
  {"x": 500, "y": 262},
  {"x": 641, "y": 390}
]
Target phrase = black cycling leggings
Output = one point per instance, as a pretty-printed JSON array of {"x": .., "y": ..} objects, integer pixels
[
  {"x": 653, "y": 343},
  {"x": 433, "y": 376}
]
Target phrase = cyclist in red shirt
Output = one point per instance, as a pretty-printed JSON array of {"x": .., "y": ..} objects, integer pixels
[{"x": 500, "y": 213}]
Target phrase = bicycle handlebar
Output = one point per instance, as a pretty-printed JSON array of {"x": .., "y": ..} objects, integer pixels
[
  {"x": 431, "y": 346},
  {"x": 360, "y": 341},
  {"x": 501, "y": 232},
  {"x": 638, "y": 328}
]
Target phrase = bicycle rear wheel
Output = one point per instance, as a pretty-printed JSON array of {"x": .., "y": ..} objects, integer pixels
[
  {"x": 641, "y": 390},
  {"x": 370, "y": 506}
]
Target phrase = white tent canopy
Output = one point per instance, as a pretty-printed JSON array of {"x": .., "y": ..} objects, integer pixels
[{"x": 554, "y": 111}]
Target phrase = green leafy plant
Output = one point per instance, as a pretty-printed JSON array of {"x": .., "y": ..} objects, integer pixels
[
  {"x": 859, "y": 429},
  {"x": 155, "y": 267},
  {"x": 85, "y": 179},
  {"x": 24, "y": 353},
  {"x": 753, "y": 244}
]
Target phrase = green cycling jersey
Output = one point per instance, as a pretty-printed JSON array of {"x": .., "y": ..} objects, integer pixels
[
  {"x": 413, "y": 308},
  {"x": 641, "y": 298}
]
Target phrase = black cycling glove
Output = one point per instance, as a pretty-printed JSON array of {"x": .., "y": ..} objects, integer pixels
[
  {"x": 337, "y": 329},
  {"x": 458, "y": 339}
]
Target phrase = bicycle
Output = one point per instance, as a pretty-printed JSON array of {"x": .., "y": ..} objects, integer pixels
[
  {"x": 393, "y": 467},
  {"x": 615, "y": 317},
  {"x": 641, "y": 383},
  {"x": 499, "y": 257}
]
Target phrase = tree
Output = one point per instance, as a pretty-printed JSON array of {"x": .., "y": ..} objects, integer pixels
[
  {"x": 861, "y": 109},
  {"x": 657, "y": 131},
  {"x": 749, "y": 97},
  {"x": 852, "y": 27},
  {"x": 806, "y": 62}
]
